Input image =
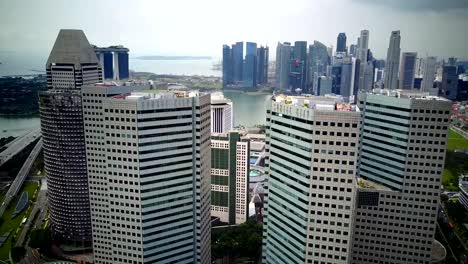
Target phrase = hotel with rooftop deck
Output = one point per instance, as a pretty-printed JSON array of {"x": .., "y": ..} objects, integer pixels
[{"x": 148, "y": 157}]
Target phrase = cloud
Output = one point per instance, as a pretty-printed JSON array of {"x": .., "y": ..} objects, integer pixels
[{"x": 420, "y": 5}]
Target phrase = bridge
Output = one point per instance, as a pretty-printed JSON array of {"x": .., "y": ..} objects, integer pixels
[
  {"x": 17, "y": 145},
  {"x": 22, "y": 174}
]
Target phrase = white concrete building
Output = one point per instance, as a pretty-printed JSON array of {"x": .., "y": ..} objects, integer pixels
[
  {"x": 313, "y": 148},
  {"x": 403, "y": 145},
  {"x": 148, "y": 157},
  {"x": 222, "y": 114}
]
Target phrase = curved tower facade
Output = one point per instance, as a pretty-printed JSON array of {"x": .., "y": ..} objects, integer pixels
[{"x": 71, "y": 64}]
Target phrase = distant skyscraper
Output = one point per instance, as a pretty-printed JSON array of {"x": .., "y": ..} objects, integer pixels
[
  {"x": 363, "y": 50},
  {"x": 222, "y": 115},
  {"x": 114, "y": 62},
  {"x": 407, "y": 68},
  {"x": 363, "y": 45},
  {"x": 313, "y": 149},
  {"x": 262, "y": 65},
  {"x": 428, "y": 71},
  {"x": 324, "y": 85},
  {"x": 283, "y": 57},
  {"x": 238, "y": 61},
  {"x": 72, "y": 63},
  {"x": 228, "y": 65},
  {"x": 393, "y": 61},
  {"x": 230, "y": 177},
  {"x": 341, "y": 43},
  {"x": 298, "y": 67},
  {"x": 400, "y": 172},
  {"x": 342, "y": 75},
  {"x": 149, "y": 163},
  {"x": 352, "y": 50},
  {"x": 449, "y": 83},
  {"x": 250, "y": 66},
  {"x": 318, "y": 60}
]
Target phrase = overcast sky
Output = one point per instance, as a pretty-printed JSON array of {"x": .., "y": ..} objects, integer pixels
[{"x": 176, "y": 27}]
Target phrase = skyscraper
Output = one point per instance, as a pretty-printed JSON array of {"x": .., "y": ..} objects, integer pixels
[
  {"x": 114, "y": 62},
  {"x": 149, "y": 174},
  {"x": 407, "y": 68},
  {"x": 230, "y": 177},
  {"x": 400, "y": 173},
  {"x": 72, "y": 63},
  {"x": 250, "y": 66},
  {"x": 318, "y": 61},
  {"x": 393, "y": 61},
  {"x": 237, "y": 61},
  {"x": 313, "y": 150},
  {"x": 341, "y": 42},
  {"x": 283, "y": 57},
  {"x": 222, "y": 115},
  {"x": 298, "y": 66},
  {"x": 228, "y": 65},
  {"x": 449, "y": 82},
  {"x": 428, "y": 73},
  {"x": 262, "y": 65},
  {"x": 363, "y": 45}
]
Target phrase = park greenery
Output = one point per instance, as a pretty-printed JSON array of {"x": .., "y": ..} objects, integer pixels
[
  {"x": 455, "y": 162},
  {"x": 242, "y": 242},
  {"x": 13, "y": 225}
]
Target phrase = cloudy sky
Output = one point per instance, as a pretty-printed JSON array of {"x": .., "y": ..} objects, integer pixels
[{"x": 188, "y": 27}]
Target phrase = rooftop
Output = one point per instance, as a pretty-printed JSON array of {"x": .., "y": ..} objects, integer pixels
[
  {"x": 72, "y": 46},
  {"x": 322, "y": 103},
  {"x": 366, "y": 184},
  {"x": 156, "y": 95},
  {"x": 408, "y": 94}
]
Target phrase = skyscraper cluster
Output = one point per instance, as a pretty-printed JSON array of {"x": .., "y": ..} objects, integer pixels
[
  {"x": 245, "y": 72},
  {"x": 353, "y": 173}
]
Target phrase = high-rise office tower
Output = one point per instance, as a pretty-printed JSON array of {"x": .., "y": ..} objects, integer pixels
[
  {"x": 341, "y": 42},
  {"x": 298, "y": 66},
  {"x": 230, "y": 177},
  {"x": 228, "y": 66},
  {"x": 222, "y": 115},
  {"x": 342, "y": 76},
  {"x": 324, "y": 85},
  {"x": 71, "y": 64},
  {"x": 363, "y": 45},
  {"x": 400, "y": 174},
  {"x": 262, "y": 65},
  {"x": 407, "y": 68},
  {"x": 149, "y": 174},
  {"x": 393, "y": 61},
  {"x": 313, "y": 148},
  {"x": 318, "y": 62},
  {"x": 428, "y": 70},
  {"x": 237, "y": 61},
  {"x": 283, "y": 57},
  {"x": 250, "y": 66},
  {"x": 449, "y": 82},
  {"x": 352, "y": 50},
  {"x": 363, "y": 52}
]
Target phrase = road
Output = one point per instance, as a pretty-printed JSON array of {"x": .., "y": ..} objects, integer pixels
[
  {"x": 22, "y": 174},
  {"x": 39, "y": 207},
  {"x": 18, "y": 145},
  {"x": 461, "y": 132}
]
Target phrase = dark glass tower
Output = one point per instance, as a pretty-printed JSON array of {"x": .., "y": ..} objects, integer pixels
[
  {"x": 237, "y": 60},
  {"x": 298, "y": 66},
  {"x": 250, "y": 66},
  {"x": 71, "y": 64},
  {"x": 262, "y": 65},
  {"x": 341, "y": 43},
  {"x": 123, "y": 65},
  {"x": 227, "y": 66}
]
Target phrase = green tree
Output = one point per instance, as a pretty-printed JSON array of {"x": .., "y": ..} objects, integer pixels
[
  {"x": 17, "y": 253},
  {"x": 40, "y": 238}
]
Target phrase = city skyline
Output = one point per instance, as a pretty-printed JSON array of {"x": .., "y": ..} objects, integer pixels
[{"x": 434, "y": 23}]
